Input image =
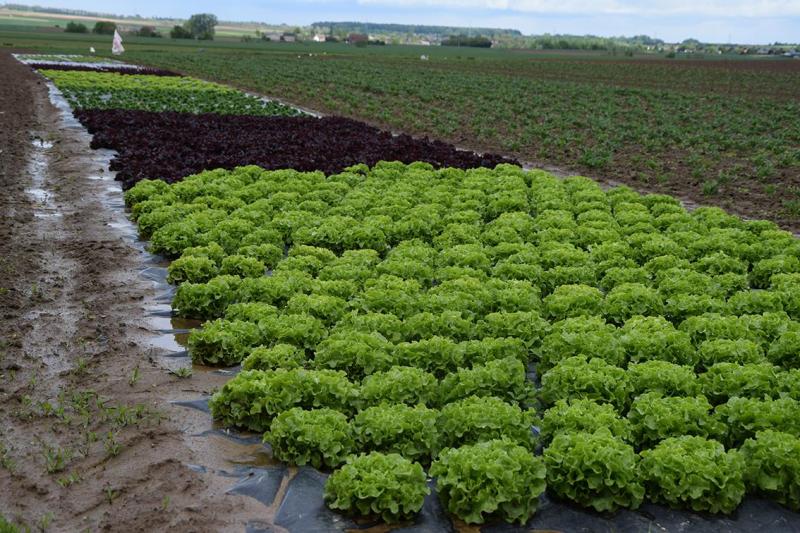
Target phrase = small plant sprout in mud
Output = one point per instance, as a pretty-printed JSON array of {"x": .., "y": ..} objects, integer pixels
[
  {"x": 55, "y": 458},
  {"x": 111, "y": 494},
  {"x": 35, "y": 292},
  {"x": 5, "y": 458},
  {"x": 89, "y": 438},
  {"x": 45, "y": 521},
  {"x": 48, "y": 409},
  {"x": 112, "y": 445},
  {"x": 710, "y": 187},
  {"x": 80, "y": 366},
  {"x": 182, "y": 372},
  {"x": 25, "y": 411},
  {"x": 134, "y": 376},
  {"x": 792, "y": 205},
  {"x": 69, "y": 480},
  {"x": 6, "y": 526}
]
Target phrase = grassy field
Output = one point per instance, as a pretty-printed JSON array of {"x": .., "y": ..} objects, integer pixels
[{"x": 720, "y": 131}]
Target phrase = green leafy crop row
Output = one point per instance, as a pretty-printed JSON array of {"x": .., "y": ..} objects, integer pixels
[
  {"x": 101, "y": 90},
  {"x": 399, "y": 316}
]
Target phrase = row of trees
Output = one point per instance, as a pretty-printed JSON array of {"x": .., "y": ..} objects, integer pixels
[
  {"x": 397, "y": 30},
  {"x": 200, "y": 26},
  {"x": 101, "y": 27}
]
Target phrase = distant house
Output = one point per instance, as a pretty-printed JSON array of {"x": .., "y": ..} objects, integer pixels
[
  {"x": 272, "y": 37},
  {"x": 319, "y": 38},
  {"x": 355, "y": 38},
  {"x": 288, "y": 37}
]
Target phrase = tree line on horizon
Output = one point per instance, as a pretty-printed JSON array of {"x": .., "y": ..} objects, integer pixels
[{"x": 200, "y": 26}]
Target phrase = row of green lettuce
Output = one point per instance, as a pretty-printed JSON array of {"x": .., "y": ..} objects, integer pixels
[
  {"x": 498, "y": 479},
  {"x": 109, "y": 90},
  {"x": 392, "y": 318},
  {"x": 648, "y": 406}
]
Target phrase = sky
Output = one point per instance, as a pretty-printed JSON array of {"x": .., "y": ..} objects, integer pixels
[{"x": 721, "y": 21}]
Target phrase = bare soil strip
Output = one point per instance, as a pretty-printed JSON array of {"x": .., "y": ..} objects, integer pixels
[{"x": 89, "y": 438}]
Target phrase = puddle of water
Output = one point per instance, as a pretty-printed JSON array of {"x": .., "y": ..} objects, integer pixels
[
  {"x": 101, "y": 155},
  {"x": 185, "y": 323},
  {"x": 171, "y": 333},
  {"x": 181, "y": 339},
  {"x": 38, "y": 163},
  {"x": 42, "y": 143},
  {"x": 162, "y": 323},
  {"x": 254, "y": 455},
  {"x": 125, "y": 230},
  {"x": 39, "y": 195},
  {"x": 174, "y": 325},
  {"x": 155, "y": 261},
  {"x": 171, "y": 342},
  {"x": 231, "y": 450}
]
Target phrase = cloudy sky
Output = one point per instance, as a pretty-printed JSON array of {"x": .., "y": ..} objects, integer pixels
[{"x": 743, "y": 21}]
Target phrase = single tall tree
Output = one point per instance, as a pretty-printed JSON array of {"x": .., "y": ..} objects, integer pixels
[
  {"x": 202, "y": 26},
  {"x": 104, "y": 27}
]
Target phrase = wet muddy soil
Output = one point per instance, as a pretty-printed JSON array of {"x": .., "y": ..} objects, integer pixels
[{"x": 90, "y": 438}]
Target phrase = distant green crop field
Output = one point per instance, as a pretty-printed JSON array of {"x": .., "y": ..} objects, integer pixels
[
  {"x": 21, "y": 22},
  {"x": 17, "y": 20},
  {"x": 717, "y": 130}
]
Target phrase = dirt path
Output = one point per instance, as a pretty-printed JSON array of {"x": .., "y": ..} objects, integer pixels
[{"x": 88, "y": 437}]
